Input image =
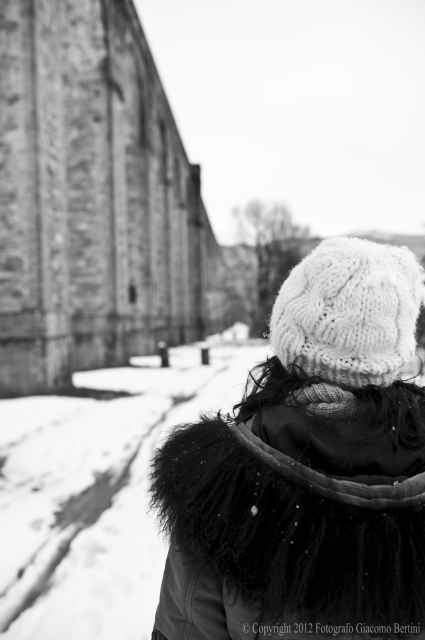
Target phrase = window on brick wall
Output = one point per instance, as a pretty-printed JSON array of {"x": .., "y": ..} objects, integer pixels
[
  {"x": 163, "y": 156},
  {"x": 177, "y": 179},
  {"x": 132, "y": 293},
  {"x": 142, "y": 124}
]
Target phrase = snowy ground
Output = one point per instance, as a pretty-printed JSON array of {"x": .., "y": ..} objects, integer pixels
[{"x": 56, "y": 448}]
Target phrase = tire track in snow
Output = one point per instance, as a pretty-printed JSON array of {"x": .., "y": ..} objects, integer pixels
[{"x": 78, "y": 513}]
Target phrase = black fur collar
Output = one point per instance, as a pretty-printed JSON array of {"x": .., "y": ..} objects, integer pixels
[{"x": 281, "y": 546}]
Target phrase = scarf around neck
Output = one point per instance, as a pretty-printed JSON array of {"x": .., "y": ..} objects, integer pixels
[{"x": 326, "y": 400}]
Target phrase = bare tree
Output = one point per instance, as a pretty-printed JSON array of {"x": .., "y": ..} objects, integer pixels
[
  {"x": 238, "y": 279},
  {"x": 420, "y": 325},
  {"x": 269, "y": 234}
]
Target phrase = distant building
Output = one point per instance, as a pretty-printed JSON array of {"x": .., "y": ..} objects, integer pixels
[
  {"x": 416, "y": 243},
  {"x": 105, "y": 244}
]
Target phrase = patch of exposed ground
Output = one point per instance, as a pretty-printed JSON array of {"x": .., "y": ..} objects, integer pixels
[
  {"x": 95, "y": 394},
  {"x": 87, "y": 507},
  {"x": 2, "y": 463}
]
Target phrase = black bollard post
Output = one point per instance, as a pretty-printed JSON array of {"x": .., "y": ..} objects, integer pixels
[
  {"x": 163, "y": 353},
  {"x": 205, "y": 355}
]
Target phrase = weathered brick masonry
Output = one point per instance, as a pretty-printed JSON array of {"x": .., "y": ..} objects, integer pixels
[{"x": 105, "y": 245}]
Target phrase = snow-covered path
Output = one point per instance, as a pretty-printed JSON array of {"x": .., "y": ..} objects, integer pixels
[{"x": 108, "y": 584}]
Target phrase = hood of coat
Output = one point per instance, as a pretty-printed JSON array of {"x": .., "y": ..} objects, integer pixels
[
  {"x": 289, "y": 521},
  {"x": 332, "y": 447}
]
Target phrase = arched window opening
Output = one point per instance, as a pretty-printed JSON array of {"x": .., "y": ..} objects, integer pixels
[
  {"x": 163, "y": 158},
  {"x": 132, "y": 293}
]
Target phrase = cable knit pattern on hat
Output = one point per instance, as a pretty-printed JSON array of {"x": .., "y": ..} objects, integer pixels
[{"x": 348, "y": 312}]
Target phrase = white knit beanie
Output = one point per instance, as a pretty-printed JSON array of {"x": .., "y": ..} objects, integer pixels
[{"x": 348, "y": 312}]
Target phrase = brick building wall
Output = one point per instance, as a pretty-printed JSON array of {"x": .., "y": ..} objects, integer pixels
[
  {"x": 34, "y": 296},
  {"x": 105, "y": 245}
]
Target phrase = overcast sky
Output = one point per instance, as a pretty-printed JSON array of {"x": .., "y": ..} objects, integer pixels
[{"x": 319, "y": 104}]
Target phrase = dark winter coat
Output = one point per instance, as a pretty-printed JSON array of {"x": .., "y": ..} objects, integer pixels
[{"x": 288, "y": 516}]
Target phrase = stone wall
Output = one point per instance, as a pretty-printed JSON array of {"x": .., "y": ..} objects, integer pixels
[
  {"x": 105, "y": 245},
  {"x": 34, "y": 294}
]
